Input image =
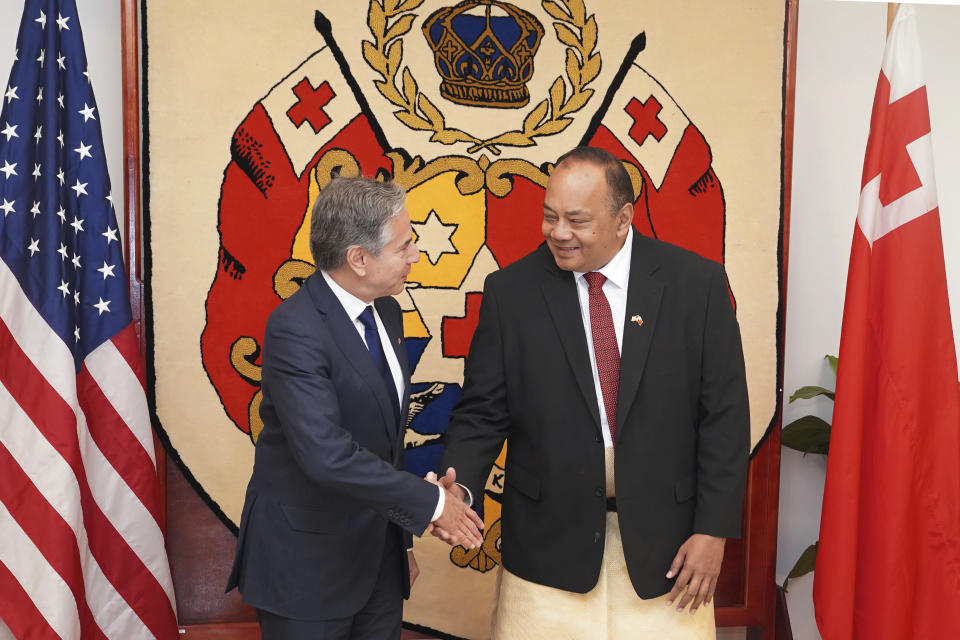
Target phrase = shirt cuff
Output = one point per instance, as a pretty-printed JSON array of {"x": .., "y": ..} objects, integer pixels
[
  {"x": 469, "y": 499},
  {"x": 440, "y": 502}
]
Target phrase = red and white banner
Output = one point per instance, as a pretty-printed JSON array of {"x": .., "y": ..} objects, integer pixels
[{"x": 888, "y": 562}]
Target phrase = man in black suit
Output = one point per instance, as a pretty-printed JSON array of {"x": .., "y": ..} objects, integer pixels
[
  {"x": 613, "y": 364},
  {"x": 329, "y": 512}
]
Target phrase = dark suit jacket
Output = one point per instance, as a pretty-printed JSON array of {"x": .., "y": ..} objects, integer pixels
[
  {"x": 682, "y": 418},
  {"x": 327, "y": 477}
]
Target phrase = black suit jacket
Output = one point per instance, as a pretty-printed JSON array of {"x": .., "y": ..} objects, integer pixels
[
  {"x": 682, "y": 417},
  {"x": 328, "y": 473}
]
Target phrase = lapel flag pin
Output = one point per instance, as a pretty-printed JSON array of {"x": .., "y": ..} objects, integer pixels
[{"x": 637, "y": 319}]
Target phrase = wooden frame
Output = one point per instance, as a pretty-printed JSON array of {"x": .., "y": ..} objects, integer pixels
[{"x": 200, "y": 547}]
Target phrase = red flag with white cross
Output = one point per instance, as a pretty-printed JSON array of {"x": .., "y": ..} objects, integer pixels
[{"x": 888, "y": 562}]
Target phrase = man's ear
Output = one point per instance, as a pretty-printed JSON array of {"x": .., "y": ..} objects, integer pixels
[
  {"x": 624, "y": 218},
  {"x": 357, "y": 259}
]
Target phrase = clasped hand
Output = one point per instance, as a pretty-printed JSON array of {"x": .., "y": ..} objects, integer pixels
[{"x": 458, "y": 524}]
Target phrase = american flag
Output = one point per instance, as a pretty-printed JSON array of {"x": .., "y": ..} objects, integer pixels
[{"x": 81, "y": 547}]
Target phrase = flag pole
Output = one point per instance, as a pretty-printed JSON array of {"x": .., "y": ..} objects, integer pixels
[{"x": 891, "y": 14}]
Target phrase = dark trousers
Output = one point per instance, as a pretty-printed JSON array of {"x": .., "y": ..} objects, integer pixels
[{"x": 379, "y": 619}]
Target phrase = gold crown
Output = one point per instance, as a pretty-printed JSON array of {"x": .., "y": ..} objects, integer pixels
[{"x": 483, "y": 50}]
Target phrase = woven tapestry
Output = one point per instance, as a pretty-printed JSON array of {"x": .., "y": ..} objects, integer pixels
[{"x": 254, "y": 106}]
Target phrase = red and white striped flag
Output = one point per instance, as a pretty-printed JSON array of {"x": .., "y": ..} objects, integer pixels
[
  {"x": 888, "y": 563},
  {"x": 81, "y": 548}
]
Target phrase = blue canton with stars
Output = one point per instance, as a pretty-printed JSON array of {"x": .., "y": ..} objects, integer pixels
[{"x": 58, "y": 229}]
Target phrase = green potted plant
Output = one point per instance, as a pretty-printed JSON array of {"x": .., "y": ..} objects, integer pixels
[{"x": 809, "y": 434}]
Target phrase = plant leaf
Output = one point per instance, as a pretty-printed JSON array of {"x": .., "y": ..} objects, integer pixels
[
  {"x": 413, "y": 121},
  {"x": 576, "y": 102},
  {"x": 805, "y": 393},
  {"x": 536, "y": 117},
  {"x": 589, "y": 33},
  {"x": 834, "y": 361},
  {"x": 804, "y": 565},
  {"x": 556, "y": 11},
  {"x": 375, "y": 19},
  {"x": 394, "y": 56},
  {"x": 573, "y": 70},
  {"x": 432, "y": 113},
  {"x": 409, "y": 87},
  {"x": 400, "y": 27},
  {"x": 566, "y": 35},
  {"x": 512, "y": 138},
  {"x": 808, "y": 434},
  {"x": 373, "y": 57},
  {"x": 557, "y": 93}
]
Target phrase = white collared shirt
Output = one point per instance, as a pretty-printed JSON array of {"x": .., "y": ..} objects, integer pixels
[
  {"x": 617, "y": 272},
  {"x": 354, "y": 306}
]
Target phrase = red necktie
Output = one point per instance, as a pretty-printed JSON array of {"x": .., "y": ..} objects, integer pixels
[{"x": 604, "y": 347}]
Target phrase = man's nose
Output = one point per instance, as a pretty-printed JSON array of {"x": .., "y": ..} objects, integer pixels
[{"x": 560, "y": 230}]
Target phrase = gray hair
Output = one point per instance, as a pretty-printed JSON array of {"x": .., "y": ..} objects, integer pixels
[{"x": 352, "y": 211}]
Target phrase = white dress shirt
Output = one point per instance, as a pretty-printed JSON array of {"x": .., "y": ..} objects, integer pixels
[
  {"x": 354, "y": 306},
  {"x": 617, "y": 272}
]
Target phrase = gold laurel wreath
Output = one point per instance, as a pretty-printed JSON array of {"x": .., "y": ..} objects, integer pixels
[{"x": 384, "y": 55}]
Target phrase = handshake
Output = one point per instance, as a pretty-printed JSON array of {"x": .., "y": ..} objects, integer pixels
[{"x": 458, "y": 524}]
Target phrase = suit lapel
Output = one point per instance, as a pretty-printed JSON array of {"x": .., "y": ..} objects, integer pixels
[
  {"x": 560, "y": 292},
  {"x": 348, "y": 340},
  {"x": 644, "y": 294}
]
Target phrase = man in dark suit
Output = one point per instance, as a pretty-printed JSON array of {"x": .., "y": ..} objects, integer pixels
[
  {"x": 613, "y": 364},
  {"x": 329, "y": 511}
]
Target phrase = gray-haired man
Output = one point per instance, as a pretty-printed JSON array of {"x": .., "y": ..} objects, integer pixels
[{"x": 329, "y": 510}]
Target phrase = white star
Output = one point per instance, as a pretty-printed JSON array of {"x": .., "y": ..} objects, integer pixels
[
  {"x": 9, "y": 169},
  {"x": 107, "y": 270},
  {"x": 87, "y": 74},
  {"x": 110, "y": 234},
  {"x": 77, "y": 224},
  {"x": 75, "y": 260},
  {"x": 34, "y": 247},
  {"x": 60, "y": 100},
  {"x": 60, "y": 176},
  {"x": 433, "y": 237},
  {"x": 80, "y": 188},
  {"x": 110, "y": 199},
  {"x": 42, "y": 20},
  {"x": 76, "y": 298},
  {"x": 63, "y": 215},
  {"x": 38, "y": 134},
  {"x": 43, "y": 54},
  {"x": 60, "y": 60},
  {"x": 62, "y": 22},
  {"x": 103, "y": 305},
  {"x": 87, "y": 112},
  {"x": 11, "y": 94},
  {"x": 60, "y": 138},
  {"x": 62, "y": 251},
  {"x": 7, "y": 207},
  {"x": 36, "y": 170},
  {"x": 40, "y": 95},
  {"x": 84, "y": 150},
  {"x": 36, "y": 209},
  {"x": 64, "y": 288},
  {"x": 10, "y": 131},
  {"x": 76, "y": 333}
]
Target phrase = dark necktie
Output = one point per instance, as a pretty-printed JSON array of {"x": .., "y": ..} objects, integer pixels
[
  {"x": 604, "y": 347},
  {"x": 372, "y": 337}
]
